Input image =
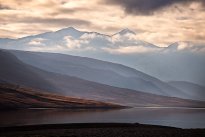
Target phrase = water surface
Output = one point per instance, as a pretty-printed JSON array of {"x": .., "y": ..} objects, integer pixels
[{"x": 175, "y": 117}]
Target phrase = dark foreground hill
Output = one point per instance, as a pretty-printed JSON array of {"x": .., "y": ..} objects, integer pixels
[{"x": 99, "y": 130}]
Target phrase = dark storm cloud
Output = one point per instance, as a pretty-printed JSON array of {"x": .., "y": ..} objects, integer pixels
[{"x": 146, "y": 7}]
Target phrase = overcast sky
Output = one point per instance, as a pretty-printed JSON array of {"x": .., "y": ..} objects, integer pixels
[{"x": 160, "y": 22}]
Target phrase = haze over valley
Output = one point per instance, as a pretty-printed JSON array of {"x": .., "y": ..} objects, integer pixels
[{"x": 66, "y": 65}]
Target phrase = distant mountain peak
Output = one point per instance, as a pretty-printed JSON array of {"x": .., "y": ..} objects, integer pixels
[
  {"x": 126, "y": 31},
  {"x": 68, "y": 29}
]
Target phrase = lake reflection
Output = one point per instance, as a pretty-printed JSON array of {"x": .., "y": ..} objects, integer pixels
[{"x": 176, "y": 117}]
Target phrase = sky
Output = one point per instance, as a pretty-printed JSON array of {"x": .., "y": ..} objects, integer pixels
[{"x": 160, "y": 22}]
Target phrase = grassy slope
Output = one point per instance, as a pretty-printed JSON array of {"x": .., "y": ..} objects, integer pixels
[{"x": 13, "y": 96}]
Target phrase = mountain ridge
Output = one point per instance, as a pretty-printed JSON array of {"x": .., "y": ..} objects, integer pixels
[
  {"x": 190, "y": 88},
  {"x": 68, "y": 31},
  {"x": 103, "y": 72},
  {"x": 94, "y": 70},
  {"x": 75, "y": 87}
]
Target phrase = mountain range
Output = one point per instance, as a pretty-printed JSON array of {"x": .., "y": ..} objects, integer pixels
[
  {"x": 100, "y": 71},
  {"x": 118, "y": 68},
  {"x": 180, "y": 61},
  {"x": 16, "y": 72}
]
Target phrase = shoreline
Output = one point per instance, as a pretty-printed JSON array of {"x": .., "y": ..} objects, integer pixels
[{"x": 98, "y": 130}]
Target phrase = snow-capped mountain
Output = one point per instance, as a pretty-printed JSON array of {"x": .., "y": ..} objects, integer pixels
[
  {"x": 180, "y": 61},
  {"x": 125, "y": 32},
  {"x": 71, "y": 38}
]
